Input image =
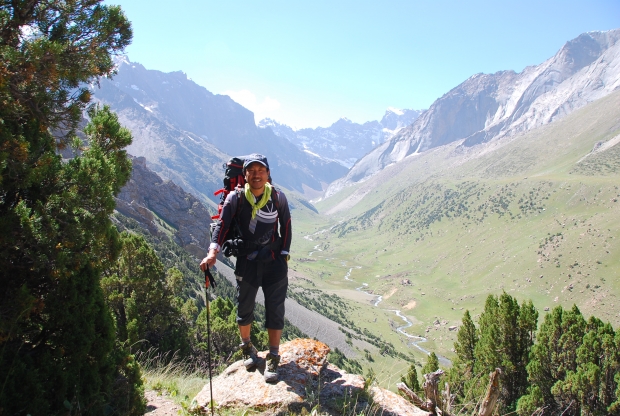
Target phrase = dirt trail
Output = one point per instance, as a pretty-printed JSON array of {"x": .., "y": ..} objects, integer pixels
[{"x": 160, "y": 405}]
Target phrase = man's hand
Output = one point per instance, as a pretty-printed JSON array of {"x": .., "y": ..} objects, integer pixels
[{"x": 209, "y": 261}]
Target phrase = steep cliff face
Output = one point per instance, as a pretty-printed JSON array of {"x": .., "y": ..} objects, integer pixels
[
  {"x": 489, "y": 106},
  {"x": 165, "y": 209}
]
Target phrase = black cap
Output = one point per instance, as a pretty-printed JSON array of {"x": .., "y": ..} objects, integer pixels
[{"x": 255, "y": 157}]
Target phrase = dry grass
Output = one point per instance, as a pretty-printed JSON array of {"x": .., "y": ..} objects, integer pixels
[{"x": 167, "y": 373}]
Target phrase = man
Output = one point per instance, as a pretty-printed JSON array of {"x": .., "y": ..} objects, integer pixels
[{"x": 262, "y": 256}]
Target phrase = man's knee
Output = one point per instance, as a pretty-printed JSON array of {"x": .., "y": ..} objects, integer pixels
[
  {"x": 275, "y": 297},
  {"x": 246, "y": 299}
]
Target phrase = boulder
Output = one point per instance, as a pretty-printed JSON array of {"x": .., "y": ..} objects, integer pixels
[
  {"x": 300, "y": 364},
  {"x": 306, "y": 380}
]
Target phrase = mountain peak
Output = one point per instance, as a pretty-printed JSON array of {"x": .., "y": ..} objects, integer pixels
[
  {"x": 268, "y": 122},
  {"x": 487, "y": 107},
  {"x": 394, "y": 110}
]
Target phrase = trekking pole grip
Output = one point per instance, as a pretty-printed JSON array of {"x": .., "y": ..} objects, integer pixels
[{"x": 210, "y": 278}]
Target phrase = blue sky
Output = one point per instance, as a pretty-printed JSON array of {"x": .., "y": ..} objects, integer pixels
[{"x": 306, "y": 64}]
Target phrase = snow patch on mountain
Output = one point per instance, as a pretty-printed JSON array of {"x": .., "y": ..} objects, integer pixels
[
  {"x": 396, "y": 111},
  {"x": 344, "y": 141}
]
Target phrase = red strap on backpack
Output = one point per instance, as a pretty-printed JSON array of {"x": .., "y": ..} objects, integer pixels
[{"x": 239, "y": 180}]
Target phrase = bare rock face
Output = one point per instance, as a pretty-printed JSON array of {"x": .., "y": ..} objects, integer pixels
[
  {"x": 305, "y": 380},
  {"x": 393, "y": 404},
  {"x": 164, "y": 208},
  {"x": 345, "y": 141}
]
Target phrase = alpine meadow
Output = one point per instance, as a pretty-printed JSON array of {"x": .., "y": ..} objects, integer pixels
[{"x": 459, "y": 259}]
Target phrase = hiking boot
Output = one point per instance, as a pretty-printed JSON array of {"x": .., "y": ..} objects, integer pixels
[
  {"x": 271, "y": 371},
  {"x": 250, "y": 355}
]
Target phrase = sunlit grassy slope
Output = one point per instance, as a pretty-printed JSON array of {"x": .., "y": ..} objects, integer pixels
[{"x": 537, "y": 216}]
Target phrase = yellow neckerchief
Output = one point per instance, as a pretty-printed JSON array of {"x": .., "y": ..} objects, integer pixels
[{"x": 263, "y": 201}]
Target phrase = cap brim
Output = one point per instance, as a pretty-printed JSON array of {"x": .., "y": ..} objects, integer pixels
[{"x": 249, "y": 162}]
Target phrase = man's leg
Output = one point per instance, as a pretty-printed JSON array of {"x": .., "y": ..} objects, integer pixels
[
  {"x": 244, "y": 332},
  {"x": 274, "y": 337},
  {"x": 246, "y": 296},
  {"x": 275, "y": 295}
]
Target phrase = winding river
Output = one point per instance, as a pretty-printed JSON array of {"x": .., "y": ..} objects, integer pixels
[{"x": 414, "y": 340}]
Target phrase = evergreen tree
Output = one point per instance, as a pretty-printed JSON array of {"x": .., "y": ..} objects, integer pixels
[
  {"x": 460, "y": 375},
  {"x": 411, "y": 379},
  {"x": 614, "y": 408},
  {"x": 57, "y": 348},
  {"x": 467, "y": 339},
  {"x": 582, "y": 361},
  {"x": 553, "y": 356},
  {"x": 142, "y": 296},
  {"x": 432, "y": 364},
  {"x": 503, "y": 340}
]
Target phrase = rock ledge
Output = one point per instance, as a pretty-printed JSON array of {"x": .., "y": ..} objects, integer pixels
[{"x": 306, "y": 380}]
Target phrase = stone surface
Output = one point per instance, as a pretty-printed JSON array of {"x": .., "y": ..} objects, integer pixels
[
  {"x": 164, "y": 208},
  {"x": 160, "y": 405},
  {"x": 300, "y": 364},
  {"x": 306, "y": 379},
  {"x": 393, "y": 404}
]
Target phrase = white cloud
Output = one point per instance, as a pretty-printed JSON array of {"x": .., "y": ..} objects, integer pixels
[{"x": 267, "y": 107}]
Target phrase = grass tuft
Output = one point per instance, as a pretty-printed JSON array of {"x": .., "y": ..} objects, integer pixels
[{"x": 167, "y": 374}]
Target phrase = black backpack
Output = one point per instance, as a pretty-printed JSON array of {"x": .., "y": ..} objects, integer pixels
[{"x": 233, "y": 177}]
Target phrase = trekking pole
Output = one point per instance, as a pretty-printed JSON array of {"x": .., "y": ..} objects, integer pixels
[{"x": 209, "y": 282}]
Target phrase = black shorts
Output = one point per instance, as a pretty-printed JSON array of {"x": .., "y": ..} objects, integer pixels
[{"x": 275, "y": 295}]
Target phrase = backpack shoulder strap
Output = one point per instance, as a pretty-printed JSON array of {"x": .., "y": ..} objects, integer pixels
[
  {"x": 275, "y": 196},
  {"x": 240, "y": 199}
]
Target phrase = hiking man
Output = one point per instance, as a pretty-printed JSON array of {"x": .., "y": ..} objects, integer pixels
[{"x": 262, "y": 256}]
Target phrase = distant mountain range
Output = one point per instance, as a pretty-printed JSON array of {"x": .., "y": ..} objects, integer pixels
[
  {"x": 345, "y": 141},
  {"x": 489, "y": 106},
  {"x": 186, "y": 133}
]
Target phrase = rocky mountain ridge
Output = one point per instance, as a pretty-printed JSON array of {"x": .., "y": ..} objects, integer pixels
[
  {"x": 490, "y": 106},
  {"x": 187, "y": 133},
  {"x": 345, "y": 141}
]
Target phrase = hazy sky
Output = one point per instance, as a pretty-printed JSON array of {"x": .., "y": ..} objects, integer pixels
[{"x": 308, "y": 63}]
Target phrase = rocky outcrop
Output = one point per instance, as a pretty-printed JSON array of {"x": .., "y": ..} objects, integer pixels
[
  {"x": 487, "y": 107},
  {"x": 165, "y": 209},
  {"x": 306, "y": 380}
]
